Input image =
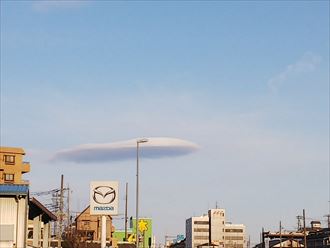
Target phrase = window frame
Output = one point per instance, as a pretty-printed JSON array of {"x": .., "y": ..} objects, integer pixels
[
  {"x": 9, "y": 175},
  {"x": 9, "y": 159}
]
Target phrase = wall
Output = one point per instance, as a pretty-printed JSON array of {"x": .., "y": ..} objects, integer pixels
[
  {"x": 197, "y": 231},
  {"x": 13, "y": 222}
]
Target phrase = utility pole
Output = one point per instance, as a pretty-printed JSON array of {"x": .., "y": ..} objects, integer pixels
[
  {"x": 68, "y": 207},
  {"x": 304, "y": 219},
  {"x": 126, "y": 197},
  {"x": 328, "y": 218},
  {"x": 68, "y": 214},
  {"x": 299, "y": 218},
  {"x": 280, "y": 234},
  {"x": 60, "y": 214}
]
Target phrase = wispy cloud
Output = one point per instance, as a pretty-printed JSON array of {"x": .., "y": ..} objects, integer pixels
[
  {"x": 307, "y": 63},
  {"x": 47, "y": 5},
  {"x": 155, "y": 148}
]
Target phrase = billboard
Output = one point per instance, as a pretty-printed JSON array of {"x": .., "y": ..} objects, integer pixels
[
  {"x": 104, "y": 198},
  {"x": 145, "y": 231}
]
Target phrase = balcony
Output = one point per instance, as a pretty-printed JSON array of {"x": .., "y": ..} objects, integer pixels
[
  {"x": 25, "y": 182},
  {"x": 25, "y": 167}
]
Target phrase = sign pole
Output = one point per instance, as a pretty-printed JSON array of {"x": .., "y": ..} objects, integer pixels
[
  {"x": 103, "y": 231},
  {"x": 104, "y": 202}
]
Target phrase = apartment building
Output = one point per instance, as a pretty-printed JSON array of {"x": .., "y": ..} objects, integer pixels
[
  {"x": 217, "y": 226},
  {"x": 235, "y": 236},
  {"x": 12, "y": 166},
  {"x": 13, "y": 198},
  {"x": 213, "y": 230},
  {"x": 197, "y": 231}
]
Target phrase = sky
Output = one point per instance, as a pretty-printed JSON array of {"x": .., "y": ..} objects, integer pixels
[{"x": 247, "y": 82}]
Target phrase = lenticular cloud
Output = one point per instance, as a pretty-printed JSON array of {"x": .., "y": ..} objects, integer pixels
[{"x": 124, "y": 150}]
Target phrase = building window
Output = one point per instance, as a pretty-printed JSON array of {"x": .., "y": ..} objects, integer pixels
[
  {"x": 201, "y": 237},
  {"x": 198, "y": 222},
  {"x": 9, "y": 177},
  {"x": 86, "y": 224},
  {"x": 201, "y": 229},
  {"x": 234, "y": 238},
  {"x": 234, "y": 230},
  {"x": 9, "y": 159}
]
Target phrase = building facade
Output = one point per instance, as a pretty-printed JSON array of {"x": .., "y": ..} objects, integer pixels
[
  {"x": 217, "y": 226},
  {"x": 13, "y": 198},
  {"x": 88, "y": 227},
  {"x": 12, "y": 166},
  {"x": 212, "y": 230},
  {"x": 197, "y": 231},
  {"x": 234, "y": 236}
]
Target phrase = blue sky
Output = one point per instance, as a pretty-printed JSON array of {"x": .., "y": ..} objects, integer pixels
[{"x": 248, "y": 81}]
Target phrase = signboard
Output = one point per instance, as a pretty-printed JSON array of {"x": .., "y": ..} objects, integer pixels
[
  {"x": 104, "y": 198},
  {"x": 145, "y": 230},
  {"x": 179, "y": 237}
]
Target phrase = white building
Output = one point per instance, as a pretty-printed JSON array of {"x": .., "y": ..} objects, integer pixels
[
  {"x": 197, "y": 231},
  {"x": 217, "y": 226},
  {"x": 13, "y": 215},
  {"x": 235, "y": 236},
  {"x": 212, "y": 230}
]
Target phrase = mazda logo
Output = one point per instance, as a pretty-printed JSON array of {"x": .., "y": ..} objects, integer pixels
[{"x": 104, "y": 194}]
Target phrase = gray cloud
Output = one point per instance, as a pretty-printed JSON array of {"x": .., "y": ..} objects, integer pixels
[
  {"x": 307, "y": 63},
  {"x": 156, "y": 147}
]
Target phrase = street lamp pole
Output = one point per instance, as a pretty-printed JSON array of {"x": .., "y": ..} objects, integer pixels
[{"x": 138, "y": 142}]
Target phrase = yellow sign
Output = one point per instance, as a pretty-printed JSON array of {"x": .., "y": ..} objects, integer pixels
[
  {"x": 131, "y": 238},
  {"x": 143, "y": 226}
]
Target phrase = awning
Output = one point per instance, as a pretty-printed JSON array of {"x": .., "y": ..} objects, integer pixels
[{"x": 13, "y": 189}]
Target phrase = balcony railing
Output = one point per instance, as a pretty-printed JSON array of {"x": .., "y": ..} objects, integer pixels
[{"x": 25, "y": 182}]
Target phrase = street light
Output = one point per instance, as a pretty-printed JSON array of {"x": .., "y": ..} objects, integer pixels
[{"x": 138, "y": 142}]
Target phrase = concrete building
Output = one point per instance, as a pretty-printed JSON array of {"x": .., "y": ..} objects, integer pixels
[
  {"x": 234, "y": 236},
  {"x": 13, "y": 198},
  {"x": 12, "y": 166},
  {"x": 197, "y": 231},
  {"x": 217, "y": 226},
  {"x": 15, "y": 207},
  {"x": 212, "y": 230}
]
